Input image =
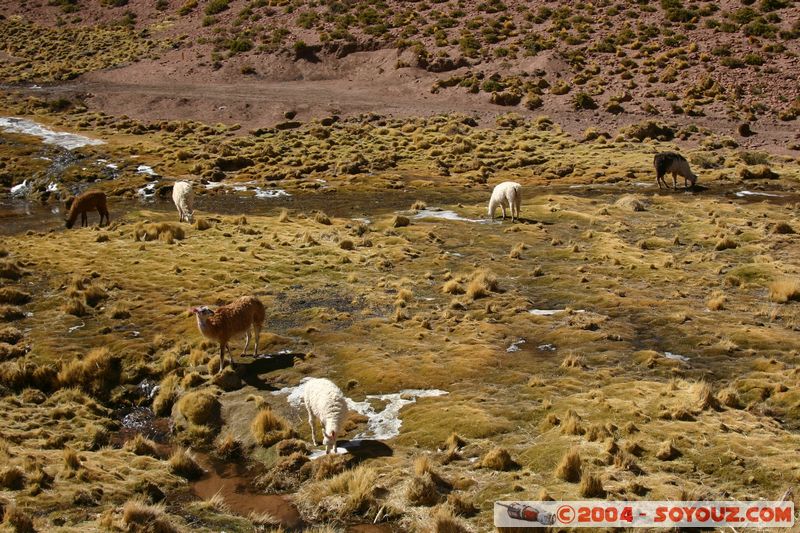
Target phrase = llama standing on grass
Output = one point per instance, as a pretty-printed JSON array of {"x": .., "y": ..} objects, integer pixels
[
  {"x": 231, "y": 321},
  {"x": 675, "y": 164},
  {"x": 507, "y": 194},
  {"x": 86, "y": 202},
  {"x": 183, "y": 196},
  {"x": 325, "y": 401}
]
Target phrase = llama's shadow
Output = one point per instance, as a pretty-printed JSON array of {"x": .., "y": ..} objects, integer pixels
[{"x": 249, "y": 369}]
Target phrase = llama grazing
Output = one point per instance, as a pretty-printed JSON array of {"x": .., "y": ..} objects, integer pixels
[
  {"x": 506, "y": 194},
  {"x": 183, "y": 196},
  {"x": 230, "y": 321},
  {"x": 325, "y": 401},
  {"x": 86, "y": 202},
  {"x": 675, "y": 164}
]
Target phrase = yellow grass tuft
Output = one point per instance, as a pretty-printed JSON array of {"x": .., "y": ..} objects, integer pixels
[
  {"x": 569, "y": 469},
  {"x": 571, "y": 425},
  {"x": 17, "y": 520},
  {"x": 516, "y": 250},
  {"x": 452, "y": 287},
  {"x": 418, "y": 205},
  {"x": 717, "y": 301},
  {"x": 138, "y": 515},
  {"x": 481, "y": 284},
  {"x": 702, "y": 396},
  {"x": 152, "y": 231},
  {"x": 421, "y": 490},
  {"x": 729, "y": 398},
  {"x": 71, "y": 459},
  {"x": 269, "y": 428},
  {"x": 168, "y": 392},
  {"x": 498, "y": 459},
  {"x": 183, "y": 463},
  {"x": 725, "y": 243},
  {"x": 283, "y": 216},
  {"x": 97, "y": 373},
  {"x": 666, "y": 451},
  {"x": 141, "y": 445},
  {"x": 322, "y": 218},
  {"x": 10, "y": 295},
  {"x": 591, "y": 486},
  {"x": 784, "y": 290},
  {"x": 445, "y": 522},
  {"x": 200, "y": 408},
  {"x": 12, "y": 478}
]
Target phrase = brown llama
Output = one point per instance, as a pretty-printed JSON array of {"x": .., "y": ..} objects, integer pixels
[
  {"x": 86, "y": 202},
  {"x": 229, "y": 321}
]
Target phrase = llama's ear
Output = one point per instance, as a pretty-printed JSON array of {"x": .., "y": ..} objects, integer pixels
[{"x": 192, "y": 310}]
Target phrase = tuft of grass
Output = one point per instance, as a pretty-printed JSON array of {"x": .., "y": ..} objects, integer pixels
[
  {"x": 399, "y": 221},
  {"x": 516, "y": 251},
  {"x": 729, "y": 398},
  {"x": 183, "y": 463},
  {"x": 97, "y": 373},
  {"x": 348, "y": 493},
  {"x": 454, "y": 442},
  {"x": 283, "y": 216},
  {"x": 201, "y": 224},
  {"x": 702, "y": 396},
  {"x": 10, "y": 335},
  {"x": 481, "y": 284},
  {"x": 93, "y": 295},
  {"x": 591, "y": 486},
  {"x": 445, "y": 522},
  {"x": 75, "y": 307},
  {"x": 784, "y": 290},
  {"x": 141, "y": 445},
  {"x": 153, "y": 231},
  {"x": 498, "y": 459},
  {"x": 138, "y": 515},
  {"x": 421, "y": 490},
  {"x": 71, "y": 460},
  {"x": 228, "y": 447},
  {"x": 569, "y": 469},
  {"x": 452, "y": 286},
  {"x": 573, "y": 361},
  {"x": 717, "y": 301},
  {"x": 322, "y": 218},
  {"x": 11, "y": 270},
  {"x": 12, "y": 478},
  {"x": 168, "y": 392},
  {"x": 630, "y": 203},
  {"x": 571, "y": 425},
  {"x": 17, "y": 520},
  {"x": 10, "y": 295},
  {"x": 200, "y": 408},
  {"x": 725, "y": 243},
  {"x": 666, "y": 451},
  {"x": 269, "y": 428},
  {"x": 418, "y": 205}
]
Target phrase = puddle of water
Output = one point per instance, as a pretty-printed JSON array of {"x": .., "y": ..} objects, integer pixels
[
  {"x": 381, "y": 425},
  {"x": 546, "y": 348},
  {"x": 676, "y": 357},
  {"x": 515, "y": 346},
  {"x": 445, "y": 215},
  {"x": 233, "y": 482},
  {"x": 270, "y": 193},
  {"x": 551, "y": 312},
  {"x": 147, "y": 191},
  {"x": 145, "y": 169},
  {"x": 742, "y": 194},
  {"x": 70, "y": 141}
]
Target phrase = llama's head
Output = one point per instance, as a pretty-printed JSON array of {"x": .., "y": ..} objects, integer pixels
[
  {"x": 692, "y": 178},
  {"x": 202, "y": 312},
  {"x": 69, "y": 223},
  {"x": 190, "y": 217}
]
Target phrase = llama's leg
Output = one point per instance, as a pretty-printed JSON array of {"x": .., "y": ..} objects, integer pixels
[
  {"x": 674, "y": 181},
  {"x": 256, "y": 333},
  {"x": 659, "y": 179},
  {"x": 84, "y": 220},
  {"x": 311, "y": 423},
  {"x": 503, "y": 209},
  {"x": 246, "y": 341},
  {"x": 222, "y": 356}
]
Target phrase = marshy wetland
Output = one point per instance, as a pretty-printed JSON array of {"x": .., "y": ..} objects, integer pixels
[{"x": 618, "y": 341}]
